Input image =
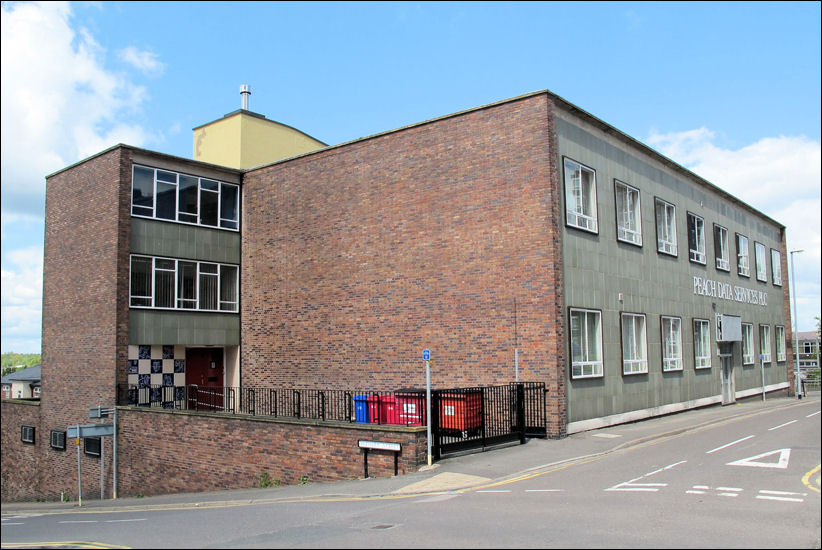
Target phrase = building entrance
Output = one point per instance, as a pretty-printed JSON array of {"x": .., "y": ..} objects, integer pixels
[{"x": 205, "y": 376}]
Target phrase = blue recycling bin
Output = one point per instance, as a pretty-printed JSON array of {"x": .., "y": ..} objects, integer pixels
[{"x": 361, "y": 408}]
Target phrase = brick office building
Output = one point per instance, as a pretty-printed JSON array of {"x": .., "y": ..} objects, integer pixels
[{"x": 526, "y": 235}]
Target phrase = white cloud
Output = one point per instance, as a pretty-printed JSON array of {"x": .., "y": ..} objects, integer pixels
[
  {"x": 779, "y": 176},
  {"x": 60, "y": 103},
  {"x": 144, "y": 61}
]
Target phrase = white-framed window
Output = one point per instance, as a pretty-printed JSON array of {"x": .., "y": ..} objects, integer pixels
[
  {"x": 808, "y": 347},
  {"x": 182, "y": 198},
  {"x": 628, "y": 213},
  {"x": 665, "y": 214},
  {"x": 696, "y": 238},
  {"x": 580, "y": 196},
  {"x": 57, "y": 440},
  {"x": 702, "y": 344},
  {"x": 671, "y": 343},
  {"x": 27, "y": 434},
  {"x": 776, "y": 267},
  {"x": 743, "y": 256},
  {"x": 765, "y": 343},
  {"x": 168, "y": 283},
  {"x": 634, "y": 344},
  {"x": 761, "y": 262},
  {"x": 781, "y": 354},
  {"x": 586, "y": 343},
  {"x": 721, "y": 248},
  {"x": 747, "y": 344}
]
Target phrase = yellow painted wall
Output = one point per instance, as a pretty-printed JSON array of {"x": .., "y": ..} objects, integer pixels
[{"x": 243, "y": 141}]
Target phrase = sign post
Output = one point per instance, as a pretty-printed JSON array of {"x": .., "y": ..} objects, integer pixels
[{"x": 426, "y": 356}]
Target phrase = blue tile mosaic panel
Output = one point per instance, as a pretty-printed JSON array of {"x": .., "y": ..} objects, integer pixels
[
  {"x": 144, "y": 352},
  {"x": 156, "y": 366},
  {"x": 168, "y": 352}
]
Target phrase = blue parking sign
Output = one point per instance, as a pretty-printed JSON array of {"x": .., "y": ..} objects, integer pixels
[{"x": 426, "y": 355}]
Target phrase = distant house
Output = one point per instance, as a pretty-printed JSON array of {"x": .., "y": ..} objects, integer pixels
[
  {"x": 23, "y": 384},
  {"x": 808, "y": 350}
]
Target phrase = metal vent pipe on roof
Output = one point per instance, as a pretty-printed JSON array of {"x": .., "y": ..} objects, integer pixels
[{"x": 245, "y": 91}]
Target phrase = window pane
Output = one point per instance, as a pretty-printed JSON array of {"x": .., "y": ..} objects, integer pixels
[
  {"x": 742, "y": 256},
  {"x": 142, "y": 191},
  {"x": 186, "y": 285},
  {"x": 166, "y": 201},
  {"x": 228, "y": 288},
  {"x": 761, "y": 266},
  {"x": 208, "y": 207},
  {"x": 164, "y": 283},
  {"x": 229, "y": 206},
  {"x": 188, "y": 199},
  {"x": 140, "y": 281},
  {"x": 208, "y": 286}
]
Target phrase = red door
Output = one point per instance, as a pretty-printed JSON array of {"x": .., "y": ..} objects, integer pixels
[{"x": 204, "y": 369}]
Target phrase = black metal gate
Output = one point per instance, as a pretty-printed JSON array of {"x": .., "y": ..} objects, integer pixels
[{"x": 468, "y": 418}]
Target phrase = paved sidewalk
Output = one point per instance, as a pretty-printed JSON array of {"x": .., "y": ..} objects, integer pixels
[{"x": 451, "y": 474}]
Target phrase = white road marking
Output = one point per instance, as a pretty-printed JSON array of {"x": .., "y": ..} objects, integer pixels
[
  {"x": 728, "y": 489},
  {"x": 19, "y": 523},
  {"x": 124, "y": 520},
  {"x": 813, "y": 414},
  {"x": 608, "y": 436},
  {"x": 782, "y": 493},
  {"x": 650, "y": 487},
  {"x": 727, "y": 445},
  {"x": 728, "y": 494},
  {"x": 781, "y": 425},
  {"x": 692, "y": 492},
  {"x": 78, "y": 521},
  {"x": 782, "y": 463},
  {"x": 781, "y": 499}
]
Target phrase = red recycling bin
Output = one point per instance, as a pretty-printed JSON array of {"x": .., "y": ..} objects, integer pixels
[
  {"x": 461, "y": 412},
  {"x": 410, "y": 407},
  {"x": 382, "y": 409}
]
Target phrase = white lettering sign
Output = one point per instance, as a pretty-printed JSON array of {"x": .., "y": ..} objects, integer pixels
[{"x": 724, "y": 291}]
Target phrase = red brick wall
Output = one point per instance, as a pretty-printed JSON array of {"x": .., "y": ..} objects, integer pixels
[
  {"x": 20, "y": 463},
  {"x": 85, "y": 300},
  {"x": 161, "y": 452},
  {"x": 357, "y": 258}
]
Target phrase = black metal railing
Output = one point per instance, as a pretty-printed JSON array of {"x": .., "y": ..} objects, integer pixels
[{"x": 461, "y": 418}]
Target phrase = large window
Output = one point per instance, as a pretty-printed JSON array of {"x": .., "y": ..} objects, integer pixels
[
  {"x": 743, "y": 256},
  {"x": 781, "y": 354},
  {"x": 580, "y": 196},
  {"x": 776, "y": 267},
  {"x": 765, "y": 343},
  {"x": 166, "y": 195},
  {"x": 747, "y": 344},
  {"x": 721, "y": 249},
  {"x": 628, "y": 213},
  {"x": 696, "y": 238},
  {"x": 166, "y": 283},
  {"x": 634, "y": 344},
  {"x": 586, "y": 343},
  {"x": 702, "y": 344},
  {"x": 761, "y": 262},
  {"x": 671, "y": 343},
  {"x": 665, "y": 213}
]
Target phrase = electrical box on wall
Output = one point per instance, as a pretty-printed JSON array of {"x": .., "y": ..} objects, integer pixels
[{"x": 728, "y": 328}]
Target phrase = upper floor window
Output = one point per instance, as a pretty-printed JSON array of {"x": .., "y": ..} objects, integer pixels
[
  {"x": 665, "y": 213},
  {"x": 671, "y": 343},
  {"x": 761, "y": 262},
  {"x": 747, "y": 344},
  {"x": 743, "y": 257},
  {"x": 780, "y": 344},
  {"x": 765, "y": 343},
  {"x": 721, "y": 250},
  {"x": 165, "y": 283},
  {"x": 586, "y": 343},
  {"x": 634, "y": 344},
  {"x": 166, "y": 195},
  {"x": 776, "y": 267},
  {"x": 808, "y": 346},
  {"x": 696, "y": 238},
  {"x": 580, "y": 196},
  {"x": 628, "y": 213},
  {"x": 702, "y": 344}
]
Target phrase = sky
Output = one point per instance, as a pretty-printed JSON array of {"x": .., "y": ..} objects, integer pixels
[{"x": 729, "y": 90}]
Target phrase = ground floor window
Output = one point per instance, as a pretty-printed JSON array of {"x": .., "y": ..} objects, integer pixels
[
  {"x": 634, "y": 344},
  {"x": 747, "y": 344},
  {"x": 586, "y": 343},
  {"x": 780, "y": 344},
  {"x": 702, "y": 344},
  {"x": 765, "y": 343},
  {"x": 671, "y": 343}
]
